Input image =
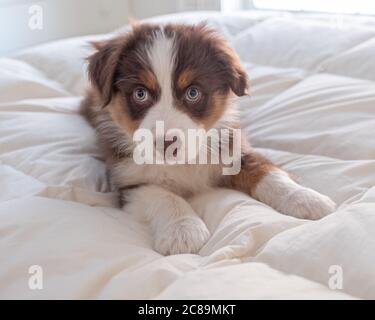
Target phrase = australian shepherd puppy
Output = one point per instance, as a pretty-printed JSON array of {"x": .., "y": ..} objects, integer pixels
[{"x": 187, "y": 78}]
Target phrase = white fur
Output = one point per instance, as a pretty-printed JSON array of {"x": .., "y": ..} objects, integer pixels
[
  {"x": 280, "y": 192},
  {"x": 174, "y": 224},
  {"x": 184, "y": 180},
  {"x": 161, "y": 55}
]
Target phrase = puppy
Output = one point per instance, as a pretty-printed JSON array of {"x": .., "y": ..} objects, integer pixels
[{"x": 186, "y": 77}]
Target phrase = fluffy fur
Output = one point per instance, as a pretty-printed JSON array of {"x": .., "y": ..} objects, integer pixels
[{"x": 167, "y": 61}]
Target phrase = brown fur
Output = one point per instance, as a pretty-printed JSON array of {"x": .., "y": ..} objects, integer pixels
[
  {"x": 218, "y": 107},
  {"x": 203, "y": 59},
  {"x": 148, "y": 79},
  {"x": 122, "y": 118},
  {"x": 253, "y": 168},
  {"x": 185, "y": 79}
]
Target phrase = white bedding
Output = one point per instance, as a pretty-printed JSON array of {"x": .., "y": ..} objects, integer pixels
[{"x": 312, "y": 111}]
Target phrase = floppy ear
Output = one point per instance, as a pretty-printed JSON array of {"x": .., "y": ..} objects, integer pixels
[
  {"x": 239, "y": 81},
  {"x": 237, "y": 78},
  {"x": 102, "y": 67}
]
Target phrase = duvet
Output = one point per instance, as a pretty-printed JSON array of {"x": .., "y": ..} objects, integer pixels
[{"x": 311, "y": 110}]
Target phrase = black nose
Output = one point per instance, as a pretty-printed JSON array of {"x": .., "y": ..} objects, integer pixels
[{"x": 167, "y": 143}]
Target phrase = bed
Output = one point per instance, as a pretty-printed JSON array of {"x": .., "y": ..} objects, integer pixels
[{"x": 311, "y": 110}]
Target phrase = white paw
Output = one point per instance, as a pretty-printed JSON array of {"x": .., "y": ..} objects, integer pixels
[
  {"x": 306, "y": 203},
  {"x": 185, "y": 235}
]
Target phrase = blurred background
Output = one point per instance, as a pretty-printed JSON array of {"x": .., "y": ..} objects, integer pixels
[{"x": 26, "y": 22}]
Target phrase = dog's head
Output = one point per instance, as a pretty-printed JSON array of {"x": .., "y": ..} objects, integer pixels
[{"x": 179, "y": 74}]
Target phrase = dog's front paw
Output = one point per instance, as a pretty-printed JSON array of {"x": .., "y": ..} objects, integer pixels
[
  {"x": 185, "y": 235},
  {"x": 306, "y": 203}
]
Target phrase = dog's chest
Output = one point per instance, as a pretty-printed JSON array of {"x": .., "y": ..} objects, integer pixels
[{"x": 185, "y": 180}]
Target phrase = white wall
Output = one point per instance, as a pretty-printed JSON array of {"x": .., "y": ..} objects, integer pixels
[
  {"x": 144, "y": 9},
  {"x": 61, "y": 18},
  {"x": 66, "y": 18}
]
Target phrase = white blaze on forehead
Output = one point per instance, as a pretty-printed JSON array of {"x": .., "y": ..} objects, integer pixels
[{"x": 162, "y": 57}]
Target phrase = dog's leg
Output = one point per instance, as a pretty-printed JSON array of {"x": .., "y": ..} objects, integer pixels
[
  {"x": 174, "y": 224},
  {"x": 265, "y": 182}
]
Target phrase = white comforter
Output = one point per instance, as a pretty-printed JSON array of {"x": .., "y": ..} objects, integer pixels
[{"x": 312, "y": 111}]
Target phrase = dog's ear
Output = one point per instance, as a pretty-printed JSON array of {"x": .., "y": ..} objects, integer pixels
[
  {"x": 102, "y": 67},
  {"x": 235, "y": 74},
  {"x": 239, "y": 81}
]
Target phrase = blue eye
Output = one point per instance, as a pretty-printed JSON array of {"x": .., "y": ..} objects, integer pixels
[
  {"x": 140, "y": 94},
  {"x": 193, "y": 94}
]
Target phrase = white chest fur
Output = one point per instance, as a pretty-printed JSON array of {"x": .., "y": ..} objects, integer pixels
[{"x": 184, "y": 180}]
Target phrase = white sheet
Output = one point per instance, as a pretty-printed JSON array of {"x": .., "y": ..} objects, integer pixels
[{"x": 312, "y": 111}]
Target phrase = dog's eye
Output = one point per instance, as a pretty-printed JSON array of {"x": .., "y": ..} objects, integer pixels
[
  {"x": 140, "y": 94},
  {"x": 193, "y": 94}
]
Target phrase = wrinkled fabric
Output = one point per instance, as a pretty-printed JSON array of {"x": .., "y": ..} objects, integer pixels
[{"x": 311, "y": 110}]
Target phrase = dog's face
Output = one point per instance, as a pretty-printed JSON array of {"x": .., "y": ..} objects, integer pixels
[{"x": 181, "y": 75}]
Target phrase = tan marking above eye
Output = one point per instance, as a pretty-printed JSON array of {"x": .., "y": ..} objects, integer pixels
[
  {"x": 149, "y": 80},
  {"x": 185, "y": 78}
]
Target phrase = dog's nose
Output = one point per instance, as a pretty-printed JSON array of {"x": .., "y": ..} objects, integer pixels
[
  {"x": 168, "y": 143},
  {"x": 162, "y": 141}
]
